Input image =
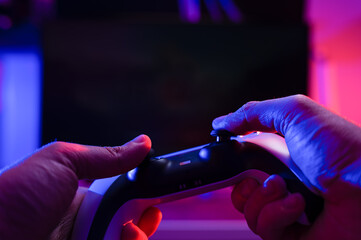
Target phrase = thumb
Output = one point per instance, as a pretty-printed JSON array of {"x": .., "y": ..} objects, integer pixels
[
  {"x": 97, "y": 162},
  {"x": 40, "y": 189}
]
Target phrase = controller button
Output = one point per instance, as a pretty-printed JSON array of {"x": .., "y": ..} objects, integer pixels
[
  {"x": 161, "y": 162},
  {"x": 204, "y": 154},
  {"x": 131, "y": 175},
  {"x": 185, "y": 163}
]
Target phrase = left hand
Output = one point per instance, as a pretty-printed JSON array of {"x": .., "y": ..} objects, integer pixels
[{"x": 39, "y": 197}]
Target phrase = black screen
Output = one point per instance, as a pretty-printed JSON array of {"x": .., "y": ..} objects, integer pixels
[{"x": 105, "y": 82}]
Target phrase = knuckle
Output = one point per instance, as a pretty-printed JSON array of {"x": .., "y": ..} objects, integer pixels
[
  {"x": 61, "y": 152},
  {"x": 248, "y": 105},
  {"x": 66, "y": 147},
  {"x": 58, "y": 147},
  {"x": 300, "y": 100},
  {"x": 300, "y": 96},
  {"x": 115, "y": 151},
  {"x": 244, "y": 110},
  {"x": 58, "y": 153}
]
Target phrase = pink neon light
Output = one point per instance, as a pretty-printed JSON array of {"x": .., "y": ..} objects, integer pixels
[{"x": 335, "y": 79}]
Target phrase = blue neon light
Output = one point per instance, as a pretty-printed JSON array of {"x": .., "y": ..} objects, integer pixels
[
  {"x": 20, "y": 103},
  {"x": 232, "y": 11}
]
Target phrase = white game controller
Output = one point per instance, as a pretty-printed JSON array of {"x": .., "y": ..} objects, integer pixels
[{"x": 111, "y": 202}]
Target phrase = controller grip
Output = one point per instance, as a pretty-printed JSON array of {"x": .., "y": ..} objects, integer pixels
[
  {"x": 133, "y": 209},
  {"x": 112, "y": 202}
]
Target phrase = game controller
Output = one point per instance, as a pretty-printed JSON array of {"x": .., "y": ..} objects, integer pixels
[{"x": 111, "y": 202}]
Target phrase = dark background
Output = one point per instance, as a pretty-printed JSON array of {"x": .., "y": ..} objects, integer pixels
[{"x": 113, "y": 73}]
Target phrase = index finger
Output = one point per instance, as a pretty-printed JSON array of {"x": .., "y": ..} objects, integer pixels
[{"x": 275, "y": 115}]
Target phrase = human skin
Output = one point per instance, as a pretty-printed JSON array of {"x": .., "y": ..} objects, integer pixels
[
  {"x": 39, "y": 196},
  {"x": 326, "y": 147}
]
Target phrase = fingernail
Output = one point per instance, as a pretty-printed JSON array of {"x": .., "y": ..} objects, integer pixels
[
  {"x": 216, "y": 122},
  {"x": 268, "y": 186},
  {"x": 139, "y": 139},
  {"x": 130, "y": 231},
  {"x": 129, "y": 222},
  {"x": 292, "y": 201},
  {"x": 142, "y": 140},
  {"x": 248, "y": 187}
]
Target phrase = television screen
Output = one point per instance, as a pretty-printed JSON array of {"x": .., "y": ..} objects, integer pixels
[{"x": 106, "y": 81}]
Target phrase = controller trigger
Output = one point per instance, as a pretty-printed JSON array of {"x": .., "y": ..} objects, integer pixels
[{"x": 222, "y": 135}]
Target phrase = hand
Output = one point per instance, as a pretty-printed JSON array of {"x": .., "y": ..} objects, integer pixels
[
  {"x": 39, "y": 197},
  {"x": 326, "y": 147}
]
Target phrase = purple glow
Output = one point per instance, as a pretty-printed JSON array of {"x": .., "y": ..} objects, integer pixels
[
  {"x": 5, "y": 22},
  {"x": 233, "y": 13},
  {"x": 207, "y": 195},
  {"x": 204, "y": 229},
  {"x": 214, "y": 10},
  {"x": 4, "y": 2},
  {"x": 190, "y": 10},
  {"x": 43, "y": 9}
]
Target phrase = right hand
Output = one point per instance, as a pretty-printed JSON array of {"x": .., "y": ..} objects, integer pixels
[{"x": 326, "y": 147}]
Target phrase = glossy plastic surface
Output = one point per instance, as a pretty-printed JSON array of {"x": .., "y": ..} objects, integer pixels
[{"x": 115, "y": 201}]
